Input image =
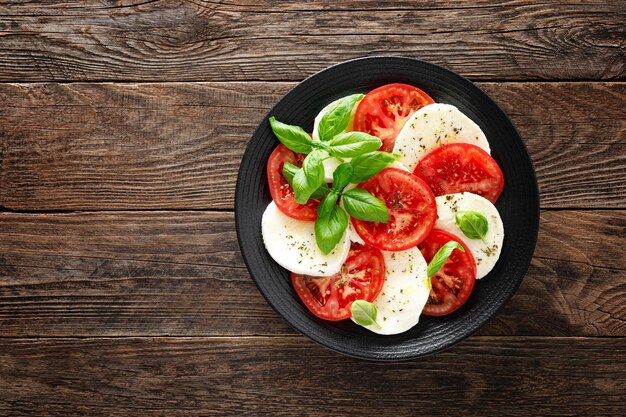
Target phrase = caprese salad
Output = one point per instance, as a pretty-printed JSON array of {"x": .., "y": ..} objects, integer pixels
[{"x": 386, "y": 210}]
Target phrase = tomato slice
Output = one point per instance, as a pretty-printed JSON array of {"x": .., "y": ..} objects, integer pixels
[
  {"x": 281, "y": 191},
  {"x": 412, "y": 211},
  {"x": 453, "y": 283},
  {"x": 361, "y": 278},
  {"x": 383, "y": 111},
  {"x": 459, "y": 167}
]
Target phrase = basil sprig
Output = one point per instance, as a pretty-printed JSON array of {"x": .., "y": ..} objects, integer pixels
[
  {"x": 442, "y": 256},
  {"x": 364, "y": 313},
  {"x": 337, "y": 118},
  {"x": 358, "y": 202},
  {"x": 308, "y": 181},
  {"x": 473, "y": 224}
]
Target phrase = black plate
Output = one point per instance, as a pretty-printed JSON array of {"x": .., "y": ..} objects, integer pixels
[{"x": 518, "y": 205}]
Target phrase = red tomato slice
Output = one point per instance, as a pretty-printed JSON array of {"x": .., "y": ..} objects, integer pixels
[
  {"x": 453, "y": 283},
  {"x": 361, "y": 278},
  {"x": 412, "y": 211},
  {"x": 383, "y": 111},
  {"x": 459, "y": 167},
  {"x": 281, "y": 191}
]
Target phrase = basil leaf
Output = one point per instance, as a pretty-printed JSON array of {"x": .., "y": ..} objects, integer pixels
[
  {"x": 326, "y": 206},
  {"x": 369, "y": 164},
  {"x": 289, "y": 171},
  {"x": 442, "y": 256},
  {"x": 329, "y": 229},
  {"x": 364, "y": 313},
  {"x": 309, "y": 178},
  {"x": 361, "y": 205},
  {"x": 351, "y": 144},
  {"x": 473, "y": 224},
  {"x": 321, "y": 191},
  {"x": 341, "y": 176},
  {"x": 337, "y": 118},
  {"x": 293, "y": 137}
]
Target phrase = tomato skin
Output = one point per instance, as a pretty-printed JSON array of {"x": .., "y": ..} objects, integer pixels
[
  {"x": 460, "y": 167},
  {"x": 412, "y": 211},
  {"x": 384, "y": 110},
  {"x": 361, "y": 278},
  {"x": 454, "y": 282},
  {"x": 282, "y": 193}
]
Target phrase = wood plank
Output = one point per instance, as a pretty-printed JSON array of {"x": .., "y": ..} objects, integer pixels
[
  {"x": 155, "y": 146},
  {"x": 291, "y": 376},
  {"x": 180, "y": 273},
  {"x": 213, "y": 41},
  {"x": 100, "y": 7}
]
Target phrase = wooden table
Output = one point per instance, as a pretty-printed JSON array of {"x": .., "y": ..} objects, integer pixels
[{"x": 122, "y": 289}]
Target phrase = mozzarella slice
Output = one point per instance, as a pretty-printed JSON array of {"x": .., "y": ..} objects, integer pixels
[
  {"x": 331, "y": 163},
  {"x": 291, "y": 243},
  {"x": 485, "y": 254},
  {"x": 404, "y": 293},
  {"x": 354, "y": 236},
  {"x": 401, "y": 166},
  {"x": 432, "y": 126}
]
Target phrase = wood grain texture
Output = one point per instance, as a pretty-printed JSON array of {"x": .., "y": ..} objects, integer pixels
[
  {"x": 291, "y": 376},
  {"x": 181, "y": 274},
  {"x": 216, "y": 41},
  {"x": 156, "y": 146},
  {"x": 153, "y": 313}
]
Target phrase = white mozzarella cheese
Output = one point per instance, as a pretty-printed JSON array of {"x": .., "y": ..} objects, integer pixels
[
  {"x": 432, "y": 126},
  {"x": 291, "y": 243},
  {"x": 485, "y": 254},
  {"x": 404, "y": 293},
  {"x": 401, "y": 166},
  {"x": 354, "y": 236}
]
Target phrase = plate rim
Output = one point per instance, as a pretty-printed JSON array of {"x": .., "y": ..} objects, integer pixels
[{"x": 470, "y": 330}]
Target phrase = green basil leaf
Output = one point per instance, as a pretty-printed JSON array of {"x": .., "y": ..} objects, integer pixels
[
  {"x": 352, "y": 144},
  {"x": 289, "y": 171},
  {"x": 364, "y": 313},
  {"x": 309, "y": 178},
  {"x": 361, "y": 205},
  {"x": 473, "y": 224},
  {"x": 341, "y": 176},
  {"x": 442, "y": 256},
  {"x": 329, "y": 229},
  {"x": 326, "y": 205},
  {"x": 321, "y": 191},
  {"x": 369, "y": 164},
  {"x": 337, "y": 118},
  {"x": 293, "y": 137}
]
